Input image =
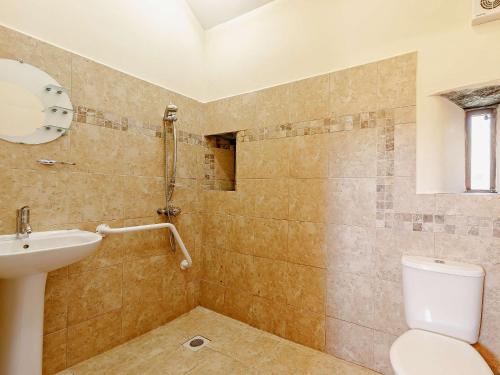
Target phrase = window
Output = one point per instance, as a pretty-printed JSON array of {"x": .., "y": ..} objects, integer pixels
[{"x": 480, "y": 150}]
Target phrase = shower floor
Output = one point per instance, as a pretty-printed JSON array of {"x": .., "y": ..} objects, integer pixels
[{"x": 235, "y": 349}]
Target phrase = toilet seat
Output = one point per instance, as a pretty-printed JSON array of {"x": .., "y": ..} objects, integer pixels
[{"x": 418, "y": 352}]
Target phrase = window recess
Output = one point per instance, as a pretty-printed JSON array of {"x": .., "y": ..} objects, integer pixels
[{"x": 480, "y": 150}]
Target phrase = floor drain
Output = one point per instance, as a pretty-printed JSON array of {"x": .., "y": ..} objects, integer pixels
[{"x": 196, "y": 343}]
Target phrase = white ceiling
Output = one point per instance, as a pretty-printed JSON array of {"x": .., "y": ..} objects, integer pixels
[{"x": 213, "y": 12}]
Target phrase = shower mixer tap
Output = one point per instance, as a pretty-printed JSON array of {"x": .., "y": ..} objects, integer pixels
[{"x": 169, "y": 211}]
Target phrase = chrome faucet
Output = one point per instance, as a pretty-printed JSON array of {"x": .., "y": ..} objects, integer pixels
[{"x": 23, "y": 228}]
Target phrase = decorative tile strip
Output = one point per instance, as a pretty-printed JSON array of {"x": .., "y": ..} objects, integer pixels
[
  {"x": 190, "y": 138},
  {"x": 322, "y": 126},
  {"x": 385, "y": 169},
  {"x": 90, "y": 116},
  {"x": 450, "y": 224},
  {"x": 209, "y": 169}
]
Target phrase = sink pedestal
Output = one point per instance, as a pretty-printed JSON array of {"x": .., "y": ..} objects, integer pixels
[
  {"x": 21, "y": 324},
  {"x": 24, "y": 264}
]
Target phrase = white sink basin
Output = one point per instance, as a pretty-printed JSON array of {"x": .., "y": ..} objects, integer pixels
[
  {"x": 24, "y": 264},
  {"x": 43, "y": 252}
]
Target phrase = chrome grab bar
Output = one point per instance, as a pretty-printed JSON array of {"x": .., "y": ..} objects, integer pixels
[{"x": 104, "y": 229}]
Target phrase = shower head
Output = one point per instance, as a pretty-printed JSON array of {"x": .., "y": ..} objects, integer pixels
[{"x": 170, "y": 113}]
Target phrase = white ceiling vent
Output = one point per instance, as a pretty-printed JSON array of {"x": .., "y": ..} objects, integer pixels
[{"x": 485, "y": 11}]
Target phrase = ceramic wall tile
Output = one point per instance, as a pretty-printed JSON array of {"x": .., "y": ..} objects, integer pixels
[
  {"x": 351, "y": 201},
  {"x": 54, "y": 352},
  {"x": 353, "y": 153},
  {"x": 268, "y": 315},
  {"x": 213, "y": 266},
  {"x": 109, "y": 252},
  {"x": 349, "y": 341},
  {"x": 215, "y": 230},
  {"x": 45, "y": 192},
  {"x": 212, "y": 296},
  {"x": 391, "y": 245},
  {"x": 305, "y": 327},
  {"x": 106, "y": 333},
  {"x": 147, "y": 190},
  {"x": 389, "y": 308},
  {"x": 144, "y": 244},
  {"x": 93, "y": 293},
  {"x": 307, "y": 199},
  {"x": 272, "y": 106},
  {"x": 271, "y": 198},
  {"x": 397, "y": 81},
  {"x": 309, "y": 99},
  {"x": 306, "y": 287},
  {"x": 405, "y": 150},
  {"x": 271, "y": 238},
  {"x": 381, "y": 348},
  {"x": 407, "y": 201},
  {"x": 350, "y": 249},
  {"x": 98, "y": 149},
  {"x": 307, "y": 243},
  {"x": 238, "y": 304},
  {"x": 231, "y": 114},
  {"x": 143, "y": 279},
  {"x": 479, "y": 205},
  {"x": 354, "y": 90},
  {"x": 405, "y": 115},
  {"x": 139, "y": 318},
  {"x": 267, "y": 159},
  {"x": 94, "y": 197},
  {"x": 239, "y": 272},
  {"x": 53, "y": 60},
  {"x": 469, "y": 249},
  {"x": 308, "y": 156},
  {"x": 100, "y": 87},
  {"x": 350, "y": 297},
  {"x": 56, "y": 304},
  {"x": 142, "y": 155},
  {"x": 241, "y": 234},
  {"x": 271, "y": 279}
]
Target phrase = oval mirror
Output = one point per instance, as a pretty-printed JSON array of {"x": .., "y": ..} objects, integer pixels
[{"x": 34, "y": 108}]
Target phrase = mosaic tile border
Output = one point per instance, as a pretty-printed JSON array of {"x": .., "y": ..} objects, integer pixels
[
  {"x": 322, "y": 126},
  {"x": 435, "y": 223},
  {"x": 91, "y": 116}
]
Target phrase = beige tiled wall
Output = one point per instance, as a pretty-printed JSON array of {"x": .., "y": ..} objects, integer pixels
[
  {"x": 133, "y": 282},
  {"x": 309, "y": 245}
]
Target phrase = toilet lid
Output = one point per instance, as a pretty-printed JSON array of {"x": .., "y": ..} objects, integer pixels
[{"x": 419, "y": 352}]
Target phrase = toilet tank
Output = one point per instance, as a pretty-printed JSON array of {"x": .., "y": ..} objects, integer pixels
[{"x": 443, "y": 296}]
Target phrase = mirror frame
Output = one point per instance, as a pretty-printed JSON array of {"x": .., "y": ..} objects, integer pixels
[{"x": 58, "y": 109}]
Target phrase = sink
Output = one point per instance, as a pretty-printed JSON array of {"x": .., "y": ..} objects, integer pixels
[
  {"x": 24, "y": 264},
  {"x": 43, "y": 252}
]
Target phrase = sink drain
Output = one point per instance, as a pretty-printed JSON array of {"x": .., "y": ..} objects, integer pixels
[{"x": 196, "y": 343}]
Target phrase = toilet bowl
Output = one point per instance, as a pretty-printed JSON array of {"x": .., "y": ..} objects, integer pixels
[
  {"x": 443, "y": 303},
  {"x": 418, "y": 352}
]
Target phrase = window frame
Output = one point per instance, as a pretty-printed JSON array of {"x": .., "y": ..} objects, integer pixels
[{"x": 492, "y": 112}]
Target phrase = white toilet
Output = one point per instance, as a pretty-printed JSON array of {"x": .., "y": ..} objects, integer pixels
[{"x": 443, "y": 302}]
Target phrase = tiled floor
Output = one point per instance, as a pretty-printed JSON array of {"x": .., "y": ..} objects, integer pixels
[{"x": 235, "y": 349}]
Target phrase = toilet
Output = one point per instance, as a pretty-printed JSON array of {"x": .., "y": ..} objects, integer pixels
[{"x": 443, "y": 302}]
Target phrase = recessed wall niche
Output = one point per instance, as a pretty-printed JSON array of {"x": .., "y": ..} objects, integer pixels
[{"x": 220, "y": 162}]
